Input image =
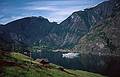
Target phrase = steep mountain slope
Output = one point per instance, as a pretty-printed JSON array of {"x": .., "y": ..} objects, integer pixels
[
  {"x": 33, "y": 30},
  {"x": 104, "y": 37},
  {"x": 104, "y": 40},
  {"x": 99, "y": 48},
  {"x": 30, "y": 30},
  {"x": 17, "y": 65},
  {"x": 80, "y": 22}
]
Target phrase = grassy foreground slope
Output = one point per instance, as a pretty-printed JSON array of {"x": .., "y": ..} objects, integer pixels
[{"x": 18, "y": 65}]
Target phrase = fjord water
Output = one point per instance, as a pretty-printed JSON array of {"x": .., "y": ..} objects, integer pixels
[{"x": 88, "y": 62}]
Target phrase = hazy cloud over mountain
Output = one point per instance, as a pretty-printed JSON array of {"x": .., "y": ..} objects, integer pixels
[{"x": 54, "y": 10}]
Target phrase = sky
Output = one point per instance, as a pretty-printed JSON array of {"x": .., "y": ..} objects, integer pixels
[{"x": 53, "y": 10}]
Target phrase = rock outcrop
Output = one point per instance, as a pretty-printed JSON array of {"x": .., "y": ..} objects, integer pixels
[
  {"x": 32, "y": 30},
  {"x": 103, "y": 41}
]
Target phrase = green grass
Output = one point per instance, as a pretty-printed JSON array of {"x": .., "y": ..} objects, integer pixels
[
  {"x": 20, "y": 57},
  {"x": 33, "y": 70},
  {"x": 85, "y": 74}
]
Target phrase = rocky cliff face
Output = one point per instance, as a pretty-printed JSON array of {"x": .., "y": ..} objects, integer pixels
[
  {"x": 103, "y": 38},
  {"x": 66, "y": 34},
  {"x": 80, "y": 22},
  {"x": 103, "y": 41},
  {"x": 94, "y": 30}
]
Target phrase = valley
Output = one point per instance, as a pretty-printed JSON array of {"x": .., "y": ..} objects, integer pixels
[{"x": 86, "y": 44}]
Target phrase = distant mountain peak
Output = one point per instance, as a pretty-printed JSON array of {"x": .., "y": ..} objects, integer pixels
[{"x": 68, "y": 32}]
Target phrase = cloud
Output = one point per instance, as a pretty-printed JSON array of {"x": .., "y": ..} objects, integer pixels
[
  {"x": 59, "y": 2},
  {"x": 41, "y": 8},
  {"x": 54, "y": 10},
  {"x": 1, "y": 16},
  {"x": 55, "y": 13},
  {"x": 56, "y": 19}
]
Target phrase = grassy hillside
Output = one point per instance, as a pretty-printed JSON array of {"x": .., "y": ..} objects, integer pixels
[{"x": 18, "y": 65}]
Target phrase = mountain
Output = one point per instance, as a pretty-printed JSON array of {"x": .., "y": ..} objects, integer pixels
[
  {"x": 30, "y": 30},
  {"x": 104, "y": 40},
  {"x": 80, "y": 22},
  {"x": 38, "y": 30},
  {"x": 94, "y": 32}
]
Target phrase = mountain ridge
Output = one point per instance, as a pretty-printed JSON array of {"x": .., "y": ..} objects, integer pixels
[
  {"x": 94, "y": 33},
  {"x": 103, "y": 40},
  {"x": 63, "y": 35}
]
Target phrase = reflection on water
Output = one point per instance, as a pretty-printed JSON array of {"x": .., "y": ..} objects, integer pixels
[
  {"x": 68, "y": 60},
  {"x": 70, "y": 55},
  {"x": 89, "y": 62}
]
